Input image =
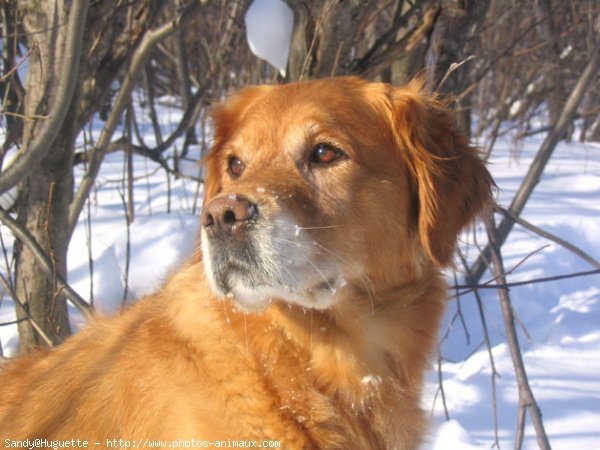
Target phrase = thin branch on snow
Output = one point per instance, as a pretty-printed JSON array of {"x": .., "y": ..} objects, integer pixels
[
  {"x": 440, "y": 390},
  {"x": 526, "y": 398},
  {"x": 551, "y": 237},
  {"x": 488, "y": 345},
  {"x": 127, "y": 250},
  {"x": 7, "y": 285},
  {"x": 506, "y": 285},
  {"x": 45, "y": 264},
  {"x": 472, "y": 287}
]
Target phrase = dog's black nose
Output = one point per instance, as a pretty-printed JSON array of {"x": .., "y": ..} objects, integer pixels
[{"x": 226, "y": 213}]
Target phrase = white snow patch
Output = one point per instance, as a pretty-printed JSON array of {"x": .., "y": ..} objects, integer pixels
[
  {"x": 269, "y": 25},
  {"x": 451, "y": 434},
  {"x": 371, "y": 380}
]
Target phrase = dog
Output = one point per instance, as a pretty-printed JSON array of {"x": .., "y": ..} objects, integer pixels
[{"x": 330, "y": 209}]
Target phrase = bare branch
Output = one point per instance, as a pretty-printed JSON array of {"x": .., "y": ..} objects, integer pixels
[
  {"x": 318, "y": 29},
  {"x": 453, "y": 67},
  {"x": 8, "y": 288},
  {"x": 405, "y": 45},
  {"x": 526, "y": 397},
  {"x": 16, "y": 67},
  {"x": 45, "y": 264},
  {"x": 488, "y": 344},
  {"x": 23, "y": 116},
  {"x": 537, "y": 167},
  {"x": 472, "y": 287},
  {"x": 441, "y": 390},
  {"x": 138, "y": 62},
  {"x": 552, "y": 237},
  {"x": 67, "y": 81}
]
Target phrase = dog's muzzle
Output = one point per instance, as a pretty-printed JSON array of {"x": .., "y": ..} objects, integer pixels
[{"x": 257, "y": 258}]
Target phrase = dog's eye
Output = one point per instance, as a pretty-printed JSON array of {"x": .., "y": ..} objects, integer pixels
[
  {"x": 235, "y": 166},
  {"x": 325, "y": 154}
]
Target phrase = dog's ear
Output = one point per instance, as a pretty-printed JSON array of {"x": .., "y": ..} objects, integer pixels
[
  {"x": 225, "y": 118},
  {"x": 451, "y": 182}
]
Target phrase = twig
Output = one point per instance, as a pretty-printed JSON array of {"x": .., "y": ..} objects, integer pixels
[
  {"x": 36, "y": 326},
  {"x": 457, "y": 315},
  {"x": 441, "y": 385},
  {"x": 488, "y": 344},
  {"x": 318, "y": 27},
  {"x": 45, "y": 263},
  {"x": 552, "y": 237},
  {"x": 472, "y": 287},
  {"x": 495, "y": 374},
  {"x": 88, "y": 229},
  {"x": 25, "y": 117},
  {"x": 453, "y": 67},
  {"x": 526, "y": 398},
  {"x": 336, "y": 60},
  {"x": 127, "y": 249},
  {"x": 13, "y": 322},
  {"x": 128, "y": 165},
  {"x": 203, "y": 147},
  {"x": 169, "y": 191},
  {"x": 6, "y": 261},
  {"x": 16, "y": 66},
  {"x": 56, "y": 288}
]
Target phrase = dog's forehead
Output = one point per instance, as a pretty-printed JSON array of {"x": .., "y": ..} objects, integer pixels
[
  {"x": 329, "y": 96},
  {"x": 297, "y": 111}
]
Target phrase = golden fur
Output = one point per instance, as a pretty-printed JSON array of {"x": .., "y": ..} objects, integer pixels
[{"x": 337, "y": 365}]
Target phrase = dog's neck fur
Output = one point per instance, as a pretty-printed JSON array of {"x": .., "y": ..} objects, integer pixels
[{"x": 346, "y": 361}]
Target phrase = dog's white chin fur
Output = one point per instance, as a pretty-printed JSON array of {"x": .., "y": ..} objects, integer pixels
[
  {"x": 293, "y": 276},
  {"x": 310, "y": 287},
  {"x": 257, "y": 299}
]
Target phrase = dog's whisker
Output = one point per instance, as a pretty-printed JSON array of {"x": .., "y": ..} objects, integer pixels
[
  {"x": 367, "y": 282},
  {"x": 331, "y": 288},
  {"x": 331, "y": 252},
  {"x": 297, "y": 228},
  {"x": 323, "y": 227},
  {"x": 307, "y": 260},
  {"x": 311, "y": 329},
  {"x": 365, "y": 279},
  {"x": 246, "y": 333}
]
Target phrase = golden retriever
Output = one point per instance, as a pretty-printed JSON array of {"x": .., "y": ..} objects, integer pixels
[{"x": 330, "y": 208}]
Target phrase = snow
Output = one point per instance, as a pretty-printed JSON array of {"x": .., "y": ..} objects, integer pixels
[
  {"x": 452, "y": 431},
  {"x": 561, "y": 349},
  {"x": 269, "y": 25},
  {"x": 370, "y": 380}
]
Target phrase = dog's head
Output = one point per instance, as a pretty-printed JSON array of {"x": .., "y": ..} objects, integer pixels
[{"x": 320, "y": 187}]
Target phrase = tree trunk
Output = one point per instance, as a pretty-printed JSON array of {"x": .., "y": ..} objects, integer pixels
[
  {"x": 45, "y": 194},
  {"x": 553, "y": 81},
  {"x": 323, "y": 38},
  {"x": 456, "y": 23}
]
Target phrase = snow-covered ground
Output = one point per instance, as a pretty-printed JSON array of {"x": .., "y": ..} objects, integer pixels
[{"x": 562, "y": 318}]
